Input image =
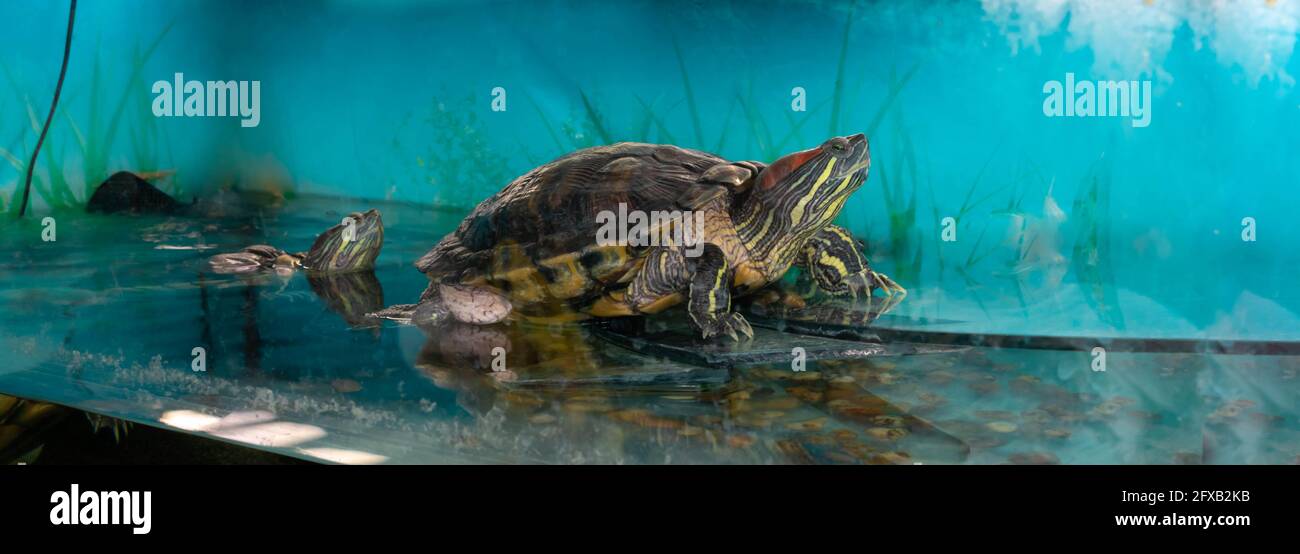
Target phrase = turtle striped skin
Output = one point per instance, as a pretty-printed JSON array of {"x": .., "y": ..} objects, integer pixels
[
  {"x": 534, "y": 250},
  {"x": 334, "y": 251}
]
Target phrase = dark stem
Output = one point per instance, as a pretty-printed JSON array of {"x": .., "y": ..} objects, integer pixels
[{"x": 67, "y": 49}]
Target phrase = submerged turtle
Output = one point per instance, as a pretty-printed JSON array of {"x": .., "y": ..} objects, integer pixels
[
  {"x": 535, "y": 248},
  {"x": 337, "y": 250}
]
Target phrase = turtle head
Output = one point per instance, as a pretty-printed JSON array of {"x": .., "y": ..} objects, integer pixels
[
  {"x": 806, "y": 174},
  {"x": 804, "y": 191},
  {"x": 352, "y": 245}
]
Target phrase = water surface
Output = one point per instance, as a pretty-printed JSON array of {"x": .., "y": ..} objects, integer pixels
[{"x": 106, "y": 319}]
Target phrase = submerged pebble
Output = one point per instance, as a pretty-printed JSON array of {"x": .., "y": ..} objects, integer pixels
[
  {"x": 887, "y": 433},
  {"x": 1034, "y": 458},
  {"x": 806, "y": 394},
  {"x": 795, "y": 451},
  {"x": 1056, "y": 433},
  {"x": 644, "y": 418},
  {"x": 345, "y": 385},
  {"x": 741, "y": 441},
  {"x": 891, "y": 458},
  {"x": 887, "y": 421},
  {"x": 1001, "y": 426},
  {"x": 542, "y": 419},
  {"x": 844, "y": 435},
  {"x": 815, "y": 424}
]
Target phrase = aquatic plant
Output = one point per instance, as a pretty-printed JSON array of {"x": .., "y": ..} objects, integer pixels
[
  {"x": 1090, "y": 259},
  {"x": 54, "y": 105},
  {"x": 95, "y": 142},
  {"x": 650, "y": 114},
  {"x": 967, "y": 208},
  {"x": 594, "y": 118},
  {"x": 690, "y": 95},
  {"x": 899, "y": 185},
  {"x": 546, "y": 122},
  {"x": 459, "y": 160},
  {"x": 837, "y": 94}
]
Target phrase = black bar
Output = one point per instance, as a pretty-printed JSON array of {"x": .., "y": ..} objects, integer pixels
[{"x": 999, "y": 503}]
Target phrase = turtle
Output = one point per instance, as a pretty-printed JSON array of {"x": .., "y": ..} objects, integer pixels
[
  {"x": 335, "y": 251},
  {"x": 719, "y": 230}
]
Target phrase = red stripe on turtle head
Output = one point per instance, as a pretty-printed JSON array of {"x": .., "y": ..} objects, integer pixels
[{"x": 785, "y": 166}]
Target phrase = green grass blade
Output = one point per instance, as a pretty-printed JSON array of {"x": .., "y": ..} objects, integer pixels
[
  {"x": 664, "y": 134},
  {"x": 690, "y": 95},
  {"x": 838, "y": 94},
  {"x": 546, "y": 122},
  {"x": 895, "y": 88},
  {"x": 594, "y": 117}
]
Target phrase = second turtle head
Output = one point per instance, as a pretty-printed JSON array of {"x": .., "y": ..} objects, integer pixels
[{"x": 352, "y": 245}]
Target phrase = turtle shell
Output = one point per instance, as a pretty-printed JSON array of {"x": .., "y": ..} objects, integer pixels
[{"x": 536, "y": 239}]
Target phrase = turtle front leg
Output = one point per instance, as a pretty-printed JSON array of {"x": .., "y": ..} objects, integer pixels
[
  {"x": 834, "y": 260},
  {"x": 709, "y": 302}
]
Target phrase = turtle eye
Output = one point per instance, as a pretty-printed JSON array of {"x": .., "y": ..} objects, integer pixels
[{"x": 837, "y": 146}]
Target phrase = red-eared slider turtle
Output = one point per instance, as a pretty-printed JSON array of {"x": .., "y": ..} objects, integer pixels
[
  {"x": 352, "y": 245},
  {"x": 539, "y": 248}
]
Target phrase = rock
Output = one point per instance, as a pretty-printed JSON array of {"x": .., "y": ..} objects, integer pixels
[{"x": 124, "y": 192}]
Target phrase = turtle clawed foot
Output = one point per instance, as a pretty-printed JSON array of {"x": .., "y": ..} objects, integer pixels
[
  {"x": 730, "y": 324},
  {"x": 883, "y": 282},
  {"x": 894, "y": 294},
  {"x": 863, "y": 286}
]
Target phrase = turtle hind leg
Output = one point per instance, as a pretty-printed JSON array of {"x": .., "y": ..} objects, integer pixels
[
  {"x": 710, "y": 297},
  {"x": 428, "y": 312},
  {"x": 443, "y": 302},
  {"x": 473, "y": 304}
]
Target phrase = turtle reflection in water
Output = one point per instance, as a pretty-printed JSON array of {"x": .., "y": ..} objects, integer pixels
[{"x": 546, "y": 382}]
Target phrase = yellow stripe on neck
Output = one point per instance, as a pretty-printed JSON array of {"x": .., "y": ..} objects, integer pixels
[{"x": 797, "y": 215}]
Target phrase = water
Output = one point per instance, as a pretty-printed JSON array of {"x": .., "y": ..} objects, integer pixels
[
  {"x": 1027, "y": 242},
  {"x": 120, "y": 303}
]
